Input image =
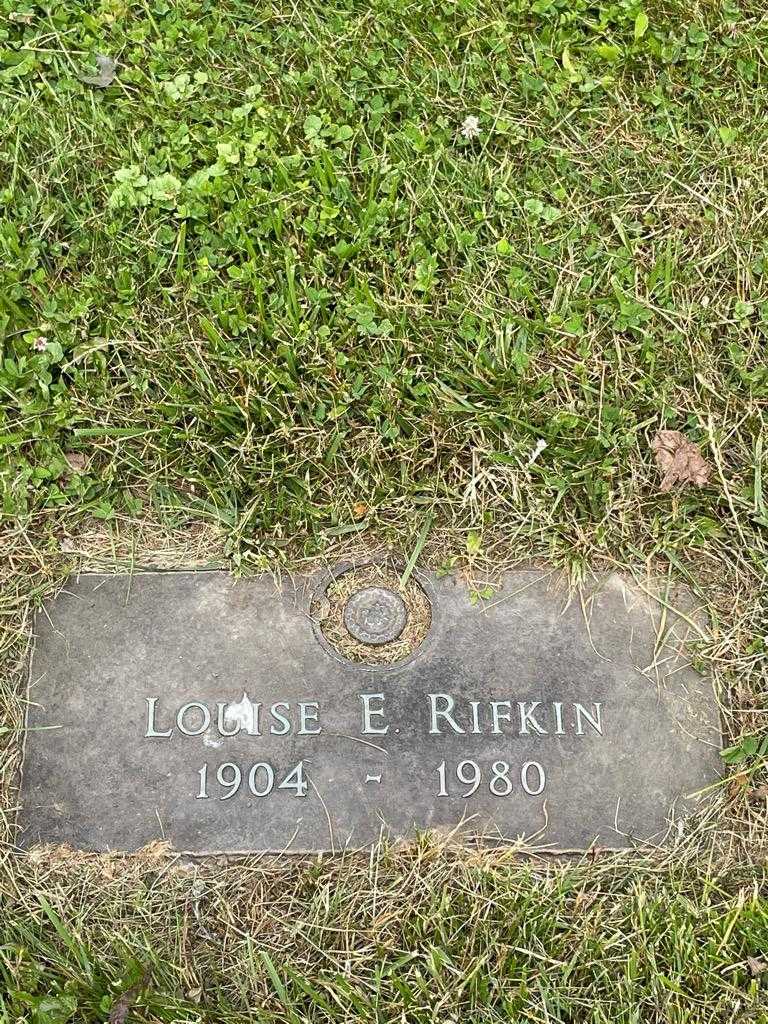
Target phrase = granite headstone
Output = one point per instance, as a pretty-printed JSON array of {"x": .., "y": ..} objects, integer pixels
[{"x": 211, "y": 713}]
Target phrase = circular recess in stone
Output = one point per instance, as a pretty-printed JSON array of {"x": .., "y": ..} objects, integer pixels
[
  {"x": 375, "y": 615},
  {"x": 363, "y": 614}
]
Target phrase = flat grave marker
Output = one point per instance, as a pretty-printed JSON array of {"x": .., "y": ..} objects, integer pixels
[{"x": 215, "y": 714}]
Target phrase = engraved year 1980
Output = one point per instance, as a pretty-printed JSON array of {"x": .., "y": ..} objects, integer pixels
[{"x": 532, "y": 778}]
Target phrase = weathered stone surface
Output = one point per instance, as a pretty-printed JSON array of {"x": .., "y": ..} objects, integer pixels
[{"x": 624, "y": 730}]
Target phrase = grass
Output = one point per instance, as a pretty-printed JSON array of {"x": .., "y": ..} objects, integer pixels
[
  {"x": 419, "y": 935},
  {"x": 262, "y": 304},
  {"x": 282, "y": 294}
]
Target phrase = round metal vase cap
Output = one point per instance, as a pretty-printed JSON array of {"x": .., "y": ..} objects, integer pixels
[{"x": 375, "y": 615}]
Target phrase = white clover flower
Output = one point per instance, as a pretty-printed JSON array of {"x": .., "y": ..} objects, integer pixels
[
  {"x": 541, "y": 444},
  {"x": 470, "y": 129}
]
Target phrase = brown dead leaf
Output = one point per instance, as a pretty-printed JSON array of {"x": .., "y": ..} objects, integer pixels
[
  {"x": 736, "y": 785},
  {"x": 127, "y": 999},
  {"x": 360, "y": 510},
  {"x": 679, "y": 459},
  {"x": 756, "y": 967},
  {"x": 76, "y": 460}
]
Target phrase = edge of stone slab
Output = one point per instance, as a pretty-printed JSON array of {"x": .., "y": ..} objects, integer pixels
[{"x": 448, "y": 837}]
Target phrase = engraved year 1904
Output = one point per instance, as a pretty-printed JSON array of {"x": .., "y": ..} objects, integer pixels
[{"x": 261, "y": 780}]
